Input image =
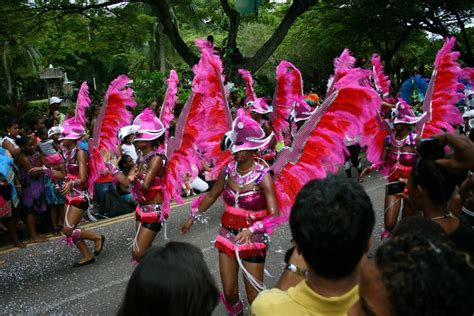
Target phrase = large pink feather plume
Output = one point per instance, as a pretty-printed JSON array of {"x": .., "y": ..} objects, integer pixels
[
  {"x": 342, "y": 66},
  {"x": 319, "y": 145},
  {"x": 373, "y": 136},
  {"x": 250, "y": 94},
  {"x": 112, "y": 116},
  {"x": 167, "y": 114},
  {"x": 344, "y": 62},
  {"x": 440, "y": 111},
  {"x": 289, "y": 87},
  {"x": 382, "y": 81},
  {"x": 376, "y": 130},
  {"x": 83, "y": 102},
  {"x": 206, "y": 107}
]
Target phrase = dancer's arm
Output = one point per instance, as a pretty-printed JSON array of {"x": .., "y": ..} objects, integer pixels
[
  {"x": 269, "y": 192},
  {"x": 206, "y": 202}
]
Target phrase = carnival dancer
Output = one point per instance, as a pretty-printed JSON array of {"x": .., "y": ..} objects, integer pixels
[
  {"x": 147, "y": 188},
  {"x": 394, "y": 152},
  {"x": 75, "y": 184},
  {"x": 397, "y": 160},
  {"x": 77, "y": 196},
  {"x": 252, "y": 205},
  {"x": 249, "y": 197},
  {"x": 153, "y": 187}
]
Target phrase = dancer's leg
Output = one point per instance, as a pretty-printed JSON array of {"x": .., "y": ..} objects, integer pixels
[
  {"x": 392, "y": 208},
  {"x": 256, "y": 269},
  {"x": 144, "y": 241},
  {"x": 229, "y": 269},
  {"x": 73, "y": 217}
]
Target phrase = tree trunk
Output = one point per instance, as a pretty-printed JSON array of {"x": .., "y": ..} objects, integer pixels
[
  {"x": 161, "y": 35},
  {"x": 296, "y": 9},
  {"x": 234, "y": 20},
  {"x": 161, "y": 9}
]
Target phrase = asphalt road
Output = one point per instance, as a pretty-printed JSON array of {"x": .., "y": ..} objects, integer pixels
[{"x": 40, "y": 279}]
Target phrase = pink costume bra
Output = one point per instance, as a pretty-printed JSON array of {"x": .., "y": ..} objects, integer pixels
[
  {"x": 250, "y": 199},
  {"x": 157, "y": 182},
  {"x": 399, "y": 163}
]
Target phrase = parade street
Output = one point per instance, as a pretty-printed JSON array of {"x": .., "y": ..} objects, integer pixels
[{"x": 41, "y": 280}]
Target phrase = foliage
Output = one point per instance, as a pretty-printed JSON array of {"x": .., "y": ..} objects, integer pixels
[
  {"x": 147, "y": 86},
  {"x": 101, "y": 42}
]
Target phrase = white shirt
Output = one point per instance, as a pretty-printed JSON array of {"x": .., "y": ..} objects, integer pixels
[
  {"x": 130, "y": 150},
  {"x": 10, "y": 140}
]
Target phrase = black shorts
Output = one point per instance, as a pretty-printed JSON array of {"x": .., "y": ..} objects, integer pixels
[
  {"x": 395, "y": 188},
  {"x": 156, "y": 227}
]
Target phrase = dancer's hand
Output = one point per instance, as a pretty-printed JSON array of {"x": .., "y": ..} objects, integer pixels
[
  {"x": 463, "y": 157},
  {"x": 186, "y": 227},
  {"x": 106, "y": 155},
  {"x": 133, "y": 173},
  {"x": 365, "y": 172},
  {"x": 244, "y": 236},
  {"x": 67, "y": 187},
  {"x": 35, "y": 171}
]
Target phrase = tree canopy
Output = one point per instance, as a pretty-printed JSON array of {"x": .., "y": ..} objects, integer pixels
[{"x": 96, "y": 40}]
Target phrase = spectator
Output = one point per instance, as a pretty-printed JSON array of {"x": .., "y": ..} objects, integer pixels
[
  {"x": 9, "y": 141},
  {"x": 126, "y": 135},
  {"x": 413, "y": 275},
  {"x": 171, "y": 280},
  {"x": 33, "y": 185},
  {"x": 36, "y": 124},
  {"x": 52, "y": 186},
  {"x": 55, "y": 109},
  {"x": 419, "y": 226},
  {"x": 125, "y": 171},
  {"x": 430, "y": 189},
  {"x": 8, "y": 197},
  {"x": 331, "y": 223}
]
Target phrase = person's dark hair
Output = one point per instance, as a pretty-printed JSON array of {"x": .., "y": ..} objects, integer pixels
[
  {"x": 419, "y": 226},
  {"x": 331, "y": 223},
  {"x": 11, "y": 122},
  {"x": 171, "y": 280},
  {"x": 34, "y": 121},
  {"x": 157, "y": 142},
  {"x": 43, "y": 133},
  {"x": 122, "y": 162},
  {"x": 127, "y": 138},
  {"x": 22, "y": 140},
  {"x": 426, "y": 277},
  {"x": 438, "y": 181},
  {"x": 48, "y": 123}
]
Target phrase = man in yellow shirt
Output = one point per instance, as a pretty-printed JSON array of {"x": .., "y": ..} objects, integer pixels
[{"x": 331, "y": 223}]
